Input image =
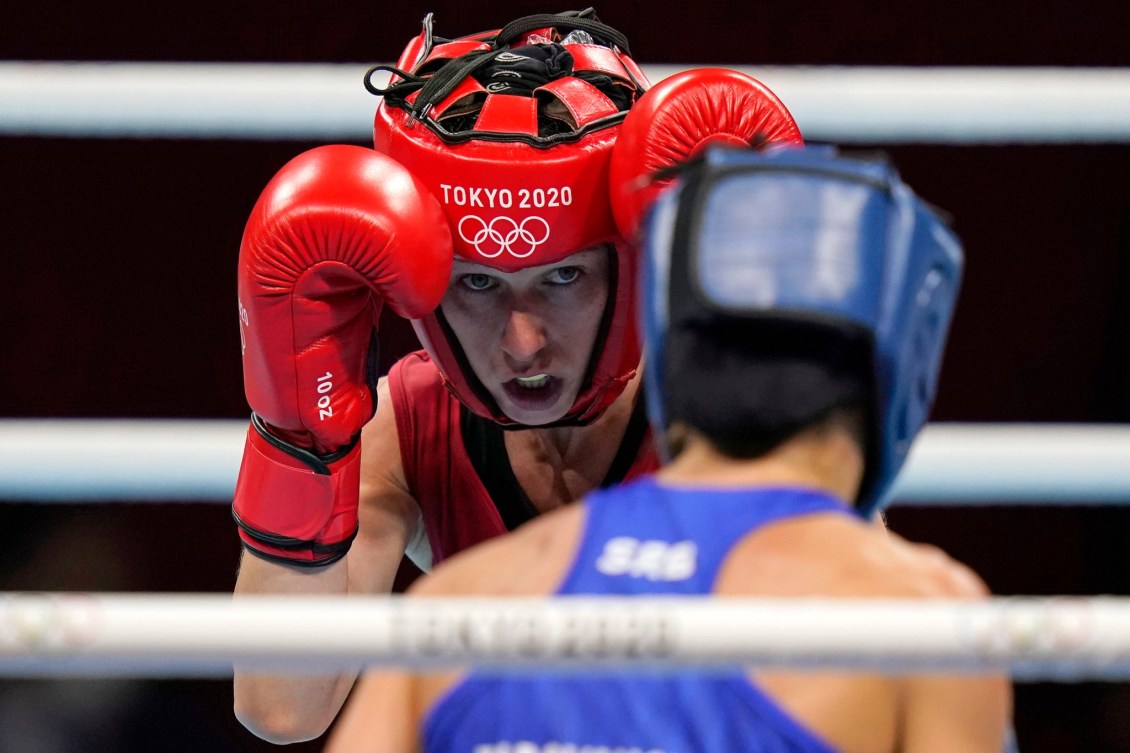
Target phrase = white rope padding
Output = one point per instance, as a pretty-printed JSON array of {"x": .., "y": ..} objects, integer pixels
[
  {"x": 328, "y": 102},
  {"x": 202, "y": 635},
  {"x": 107, "y": 460}
]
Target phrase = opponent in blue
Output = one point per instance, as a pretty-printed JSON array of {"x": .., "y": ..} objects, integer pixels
[{"x": 796, "y": 306}]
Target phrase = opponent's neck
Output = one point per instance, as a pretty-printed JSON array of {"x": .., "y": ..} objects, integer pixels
[{"x": 828, "y": 460}]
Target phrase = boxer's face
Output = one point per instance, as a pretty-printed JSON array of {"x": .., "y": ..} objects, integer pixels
[{"x": 528, "y": 335}]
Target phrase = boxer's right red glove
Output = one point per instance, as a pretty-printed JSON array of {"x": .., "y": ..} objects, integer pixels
[
  {"x": 337, "y": 232},
  {"x": 676, "y": 120}
]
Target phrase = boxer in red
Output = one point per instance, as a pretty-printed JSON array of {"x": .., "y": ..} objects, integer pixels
[{"x": 498, "y": 212}]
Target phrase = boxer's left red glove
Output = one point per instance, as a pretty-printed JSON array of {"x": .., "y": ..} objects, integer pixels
[{"x": 339, "y": 231}]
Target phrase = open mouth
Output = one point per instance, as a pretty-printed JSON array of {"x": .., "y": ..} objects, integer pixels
[{"x": 536, "y": 392}]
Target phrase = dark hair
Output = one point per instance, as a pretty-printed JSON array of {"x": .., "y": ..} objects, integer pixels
[{"x": 750, "y": 385}]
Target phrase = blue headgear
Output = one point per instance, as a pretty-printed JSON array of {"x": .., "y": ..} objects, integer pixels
[{"x": 807, "y": 237}]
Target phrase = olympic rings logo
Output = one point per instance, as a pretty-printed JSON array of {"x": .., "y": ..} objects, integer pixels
[{"x": 504, "y": 234}]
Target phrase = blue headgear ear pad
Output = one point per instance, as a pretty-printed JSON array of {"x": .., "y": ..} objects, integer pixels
[{"x": 779, "y": 285}]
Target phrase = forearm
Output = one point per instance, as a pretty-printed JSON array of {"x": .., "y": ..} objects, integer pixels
[
  {"x": 339, "y": 232},
  {"x": 290, "y": 708}
]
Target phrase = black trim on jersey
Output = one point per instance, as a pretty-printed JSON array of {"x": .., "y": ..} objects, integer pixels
[
  {"x": 486, "y": 446},
  {"x": 630, "y": 445},
  {"x": 485, "y": 443}
]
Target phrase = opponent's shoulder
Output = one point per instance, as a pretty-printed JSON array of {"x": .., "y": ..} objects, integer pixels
[
  {"x": 928, "y": 571},
  {"x": 839, "y": 555},
  {"x": 531, "y": 561},
  {"x": 882, "y": 563}
]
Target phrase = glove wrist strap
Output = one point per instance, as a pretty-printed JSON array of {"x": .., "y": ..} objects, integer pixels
[{"x": 294, "y": 506}]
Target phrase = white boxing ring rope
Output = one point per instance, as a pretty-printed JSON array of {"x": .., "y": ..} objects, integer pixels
[
  {"x": 62, "y": 460},
  {"x": 176, "y": 635},
  {"x": 884, "y": 105},
  {"x": 157, "y": 635}
]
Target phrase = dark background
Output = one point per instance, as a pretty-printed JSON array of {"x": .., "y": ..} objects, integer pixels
[{"x": 118, "y": 300}]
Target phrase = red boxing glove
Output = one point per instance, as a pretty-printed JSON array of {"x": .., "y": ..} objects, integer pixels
[
  {"x": 337, "y": 232},
  {"x": 676, "y": 119}
]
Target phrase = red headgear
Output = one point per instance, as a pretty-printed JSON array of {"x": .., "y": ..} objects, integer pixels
[{"x": 512, "y": 131}]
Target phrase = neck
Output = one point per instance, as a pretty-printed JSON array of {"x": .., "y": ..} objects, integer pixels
[{"x": 827, "y": 459}]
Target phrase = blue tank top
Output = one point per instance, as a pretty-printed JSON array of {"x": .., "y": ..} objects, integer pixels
[{"x": 640, "y": 538}]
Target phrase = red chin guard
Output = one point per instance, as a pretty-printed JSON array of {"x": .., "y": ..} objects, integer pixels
[{"x": 516, "y": 193}]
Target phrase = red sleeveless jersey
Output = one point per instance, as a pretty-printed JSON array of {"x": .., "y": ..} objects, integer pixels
[{"x": 457, "y": 509}]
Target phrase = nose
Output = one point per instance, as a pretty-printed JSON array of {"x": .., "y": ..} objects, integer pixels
[{"x": 523, "y": 339}]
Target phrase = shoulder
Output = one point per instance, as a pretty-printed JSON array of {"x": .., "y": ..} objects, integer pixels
[
  {"x": 409, "y": 400},
  {"x": 415, "y": 369},
  {"x": 531, "y": 561},
  {"x": 896, "y": 567},
  {"x": 416, "y": 391},
  {"x": 838, "y": 555},
  {"x": 924, "y": 570}
]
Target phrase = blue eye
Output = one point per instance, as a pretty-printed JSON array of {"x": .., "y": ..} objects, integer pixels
[
  {"x": 564, "y": 275},
  {"x": 477, "y": 281}
]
